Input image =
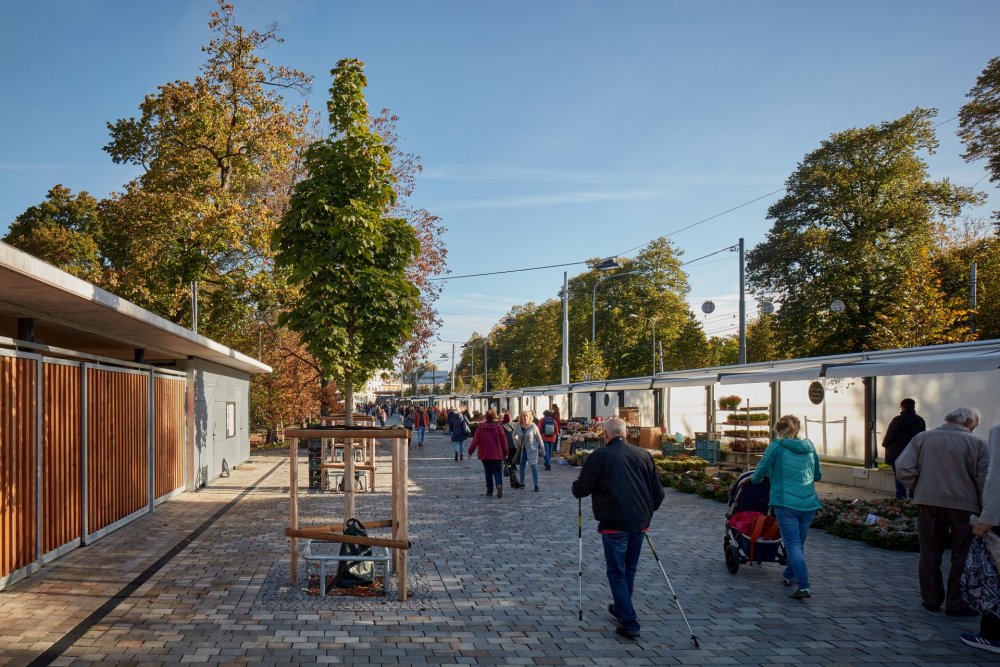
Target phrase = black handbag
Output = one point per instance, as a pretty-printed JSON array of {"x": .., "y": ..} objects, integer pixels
[{"x": 354, "y": 572}]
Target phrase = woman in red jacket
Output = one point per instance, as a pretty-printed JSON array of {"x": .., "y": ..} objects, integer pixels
[{"x": 491, "y": 441}]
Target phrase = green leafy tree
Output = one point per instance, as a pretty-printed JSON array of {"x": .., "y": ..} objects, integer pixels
[
  {"x": 723, "y": 351},
  {"x": 979, "y": 123},
  {"x": 342, "y": 251},
  {"x": 953, "y": 261},
  {"x": 64, "y": 231},
  {"x": 501, "y": 378},
  {"x": 589, "y": 363},
  {"x": 219, "y": 156},
  {"x": 857, "y": 212},
  {"x": 689, "y": 349},
  {"x": 763, "y": 343}
]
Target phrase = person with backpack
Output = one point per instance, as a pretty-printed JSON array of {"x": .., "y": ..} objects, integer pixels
[
  {"x": 793, "y": 468},
  {"x": 491, "y": 442},
  {"x": 549, "y": 428},
  {"x": 529, "y": 444},
  {"x": 420, "y": 422}
]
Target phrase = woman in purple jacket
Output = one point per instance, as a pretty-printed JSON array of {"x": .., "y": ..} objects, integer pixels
[{"x": 491, "y": 442}]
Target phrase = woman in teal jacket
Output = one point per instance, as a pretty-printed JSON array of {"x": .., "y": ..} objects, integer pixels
[{"x": 793, "y": 466}]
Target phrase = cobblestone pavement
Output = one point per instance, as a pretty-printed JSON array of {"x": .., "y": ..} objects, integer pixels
[{"x": 494, "y": 582}]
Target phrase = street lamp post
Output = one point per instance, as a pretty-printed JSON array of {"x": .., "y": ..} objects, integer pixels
[{"x": 652, "y": 325}]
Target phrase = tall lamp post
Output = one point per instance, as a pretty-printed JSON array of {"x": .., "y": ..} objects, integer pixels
[{"x": 652, "y": 325}]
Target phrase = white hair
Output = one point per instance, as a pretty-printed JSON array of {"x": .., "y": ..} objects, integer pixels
[
  {"x": 615, "y": 427},
  {"x": 962, "y": 415}
]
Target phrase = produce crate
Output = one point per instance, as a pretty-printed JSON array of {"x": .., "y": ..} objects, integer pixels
[
  {"x": 672, "y": 448},
  {"x": 707, "y": 449}
]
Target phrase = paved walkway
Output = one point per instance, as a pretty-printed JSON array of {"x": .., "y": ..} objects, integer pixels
[{"x": 494, "y": 582}]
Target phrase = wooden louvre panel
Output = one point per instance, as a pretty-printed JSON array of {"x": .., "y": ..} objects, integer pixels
[
  {"x": 117, "y": 445},
  {"x": 62, "y": 512},
  {"x": 168, "y": 430},
  {"x": 18, "y": 460}
]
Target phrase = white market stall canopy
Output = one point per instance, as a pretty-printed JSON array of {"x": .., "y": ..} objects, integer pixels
[{"x": 916, "y": 365}]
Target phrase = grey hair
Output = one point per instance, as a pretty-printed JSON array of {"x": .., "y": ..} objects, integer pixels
[
  {"x": 962, "y": 415},
  {"x": 615, "y": 427}
]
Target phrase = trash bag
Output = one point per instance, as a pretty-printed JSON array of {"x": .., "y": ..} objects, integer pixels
[
  {"x": 354, "y": 572},
  {"x": 980, "y": 584}
]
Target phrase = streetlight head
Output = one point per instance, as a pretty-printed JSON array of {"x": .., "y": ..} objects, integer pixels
[
  {"x": 608, "y": 264},
  {"x": 708, "y": 307},
  {"x": 837, "y": 306}
]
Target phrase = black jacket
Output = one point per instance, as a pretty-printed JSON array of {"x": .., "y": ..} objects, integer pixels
[
  {"x": 624, "y": 484},
  {"x": 901, "y": 430}
]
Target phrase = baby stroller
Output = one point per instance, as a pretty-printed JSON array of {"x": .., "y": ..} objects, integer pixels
[{"x": 751, "y": 531}]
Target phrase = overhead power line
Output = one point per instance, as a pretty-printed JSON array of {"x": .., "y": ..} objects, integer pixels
[{"x": 553, "y": 266}]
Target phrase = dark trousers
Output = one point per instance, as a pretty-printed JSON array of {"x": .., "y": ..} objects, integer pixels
[
  {"x": 901, "y": 491},
  {"x": 494, "y": 474},
  {"x": 940, "y": 528},
  {"x": 621, "y": 555}
]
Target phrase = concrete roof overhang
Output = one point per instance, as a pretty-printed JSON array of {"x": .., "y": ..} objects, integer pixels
[{"x": 74, "y": 314}]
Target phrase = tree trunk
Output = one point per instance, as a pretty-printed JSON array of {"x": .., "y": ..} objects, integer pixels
[
  {"x": 348, "y": 400},
  {"x": 324, "y": 398}
]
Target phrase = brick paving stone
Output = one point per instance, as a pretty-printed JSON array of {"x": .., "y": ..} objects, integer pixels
[{"x": 493, "y": 581}]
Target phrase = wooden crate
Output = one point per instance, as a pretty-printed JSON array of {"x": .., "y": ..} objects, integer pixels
[
  {"x": 649, "y": 437},
  {"x": 630, "y": 415}
]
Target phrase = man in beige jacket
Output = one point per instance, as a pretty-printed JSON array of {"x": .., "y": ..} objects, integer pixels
[{"x": 946, "y": 470}]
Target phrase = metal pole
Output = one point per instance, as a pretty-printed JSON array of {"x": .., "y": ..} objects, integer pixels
[
  {"x": 452, "y": 369},
  {"x": 972, "y": 299},
  {"x": 743, "y": 307},
  {"x": 194, "y": 306},
  {"x": 652, "y": 324},
  {"x": 486, "y": 366},
  {"x": 565, "y": 329},
  {"x": 661, "y": 356},
  {"x": 593, "y": 311}
]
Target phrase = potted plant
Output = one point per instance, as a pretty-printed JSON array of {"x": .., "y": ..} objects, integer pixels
[{"x": 729, "y": 402}]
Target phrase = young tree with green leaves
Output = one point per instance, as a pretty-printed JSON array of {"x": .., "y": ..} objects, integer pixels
[
  {"x": 855, "y": 217},
  {"x": 346, "y": 256},
  {"x": 979, "y": 123},
  {"x": 588, "y": 364},
  {"x": 501, "y": 378}
]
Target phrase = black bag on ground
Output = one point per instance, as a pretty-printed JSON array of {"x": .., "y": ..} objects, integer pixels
[{"x": 354, "y": 572}]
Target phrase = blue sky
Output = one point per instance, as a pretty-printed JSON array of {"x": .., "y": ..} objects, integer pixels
[{"x": 550, "y": 132}]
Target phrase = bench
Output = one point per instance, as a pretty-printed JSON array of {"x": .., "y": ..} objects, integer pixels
[{"x": 320, "y": 559}]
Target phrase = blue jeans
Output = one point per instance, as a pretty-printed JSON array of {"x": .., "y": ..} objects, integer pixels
[
  {"x": 459, "y": 447},
  {"x": 534, "y": 467},
  {"x": 621, "y": 554},
  {"x": 548, "y": 453},
  {"x": 794, "y": 527},
  {"x": 420, "y": 434},
  {"x": 494, "y": 474}
]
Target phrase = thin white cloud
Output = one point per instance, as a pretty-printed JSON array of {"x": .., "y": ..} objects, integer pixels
[
  {"x": 552, "y": 199},
  {"x": 519, "y": 174},
  {"x": 52, "y": 167}
]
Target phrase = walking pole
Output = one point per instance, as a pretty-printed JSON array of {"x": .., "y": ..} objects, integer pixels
[
  {"x": 678, "y": 602},
  {"x": 579, "y": 529}
]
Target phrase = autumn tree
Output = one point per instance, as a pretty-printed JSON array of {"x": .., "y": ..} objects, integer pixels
[
  {"x": 219, "y": 155},
  {"x": 922, "y": 314},
  {"x": 763, "y": 343},
  {"x": 429, "y": 263},
  {"x": 341, "y": 248},
  {"x": 501, "y": 378},
  {"x": 64, "y": 230},
  {"x": 979, "y": 123},
  {"x": 856, "y": 214}
]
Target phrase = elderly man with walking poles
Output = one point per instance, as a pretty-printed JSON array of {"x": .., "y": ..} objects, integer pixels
[{"x": 625, "y": 490}]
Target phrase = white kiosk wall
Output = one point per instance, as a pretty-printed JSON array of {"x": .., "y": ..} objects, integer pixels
[
  {"x": 645, "y": 400},
  {"x": 837, "y": 425},
  {"x": 685, "y": 410},
  {"x": 937, "y": 395}
]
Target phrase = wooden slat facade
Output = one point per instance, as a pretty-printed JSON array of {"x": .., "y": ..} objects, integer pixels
[
  {"x": 18, "y": 462},
  {"x": 61, "y": 456},
  {"x": 117, "y": 445},
  {"x": 168, "y": 434}
]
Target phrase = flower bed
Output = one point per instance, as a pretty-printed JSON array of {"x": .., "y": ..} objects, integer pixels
[
  {"x": 752, "y": 418},
  {"x": 894, "y": 526}
]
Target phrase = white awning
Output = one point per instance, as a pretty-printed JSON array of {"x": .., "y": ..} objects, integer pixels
[
  {"x": 629, "y": 383},
  {"x": 702, "y": 380},
  {"x": 943, "y": 363},
  {"x": 772, "y": 375},
  {"x": 589, "y": 386}
]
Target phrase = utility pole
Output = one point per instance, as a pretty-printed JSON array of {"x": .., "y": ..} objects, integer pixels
[
  {"x": 565, "y": 329},
  {"x": 972, "y": 299},
  {"x": 194, "y": 306},
  {"x": 452, "y": 369},
  {"x": 743, "y": 307},
  {"x": 486, "y": 366}
]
